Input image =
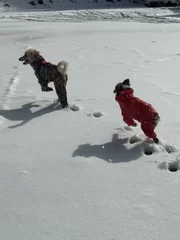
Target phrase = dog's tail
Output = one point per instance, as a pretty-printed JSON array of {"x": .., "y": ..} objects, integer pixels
[{"x": 62, "y": 67}]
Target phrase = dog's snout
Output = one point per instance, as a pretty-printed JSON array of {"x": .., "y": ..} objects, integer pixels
[{"x": 22, "y": 58}]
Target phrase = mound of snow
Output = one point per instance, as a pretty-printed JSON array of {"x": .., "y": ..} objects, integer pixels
[{"x": 68, "y": 4}]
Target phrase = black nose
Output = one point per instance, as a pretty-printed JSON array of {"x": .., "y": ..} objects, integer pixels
[{"x": 21, "y": 58}]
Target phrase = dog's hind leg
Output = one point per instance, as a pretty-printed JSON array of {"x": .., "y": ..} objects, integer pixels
[
  {"x": 148, "y": 129},
  {"x": 60, "y": 86}
]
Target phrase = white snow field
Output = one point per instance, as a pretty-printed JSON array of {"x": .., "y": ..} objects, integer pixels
[{"x": 76, "y": 174}]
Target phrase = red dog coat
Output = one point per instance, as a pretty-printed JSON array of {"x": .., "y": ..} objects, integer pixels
[{"x": 135, "y": 108}]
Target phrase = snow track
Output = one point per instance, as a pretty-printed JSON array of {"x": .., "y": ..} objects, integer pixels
[
  {"x": 8, "y": 93},
  {"x": 146, "y": 15},
  {"x": 10, "y": 90}
]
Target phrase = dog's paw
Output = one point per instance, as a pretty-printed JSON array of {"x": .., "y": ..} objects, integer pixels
[
  {"x": 47, "y": 89},
  {"x": 64, "y": 106},
  {"x": 50, "y": 89}
]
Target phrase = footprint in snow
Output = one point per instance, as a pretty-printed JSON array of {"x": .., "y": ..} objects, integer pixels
[
  {"x": 169, "y": 148},
  {"x": 172, "y": 166},
  {"x": 96, "y": 114},
  {"x": 23, "y": 172},
  {"x": 72, "y": 107},
  {"x": 134, "y": 139},
  {"x": 75, "y": 108},
  {"x": 149, "y": 147},
  {"x": 128, "y": 128}
]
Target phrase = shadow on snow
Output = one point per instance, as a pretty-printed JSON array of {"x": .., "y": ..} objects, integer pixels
[
  {"x": 24, "y": 114},
  {"x": 114, "y": 151}
]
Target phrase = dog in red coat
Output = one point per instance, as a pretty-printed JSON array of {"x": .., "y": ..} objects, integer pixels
[{"x": 133, "y": 108}]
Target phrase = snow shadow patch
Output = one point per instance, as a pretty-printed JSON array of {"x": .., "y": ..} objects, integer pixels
[
  {"x": 115, "y": 151},
  {"x": 24, "y": 114}
]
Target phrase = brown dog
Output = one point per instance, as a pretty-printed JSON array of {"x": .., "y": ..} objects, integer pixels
[{"x": 47, "y": 72}]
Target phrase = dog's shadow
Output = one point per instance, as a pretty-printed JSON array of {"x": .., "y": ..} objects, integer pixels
[
  {"x": 24, "y": 114},
  {"x": 115, "y": 151}
]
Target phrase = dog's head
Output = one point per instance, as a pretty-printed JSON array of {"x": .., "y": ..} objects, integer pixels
[
  {"x": 122, "y": 86},
  {"x": 29, "y": 56}
]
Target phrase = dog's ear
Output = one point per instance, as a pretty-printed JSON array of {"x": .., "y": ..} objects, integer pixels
[
  {"x": 33, "y": 55},
  {"x": 126, "y": 82},
  {"x": 118, "y": 87},
  {"x": 36, "y": 54}
]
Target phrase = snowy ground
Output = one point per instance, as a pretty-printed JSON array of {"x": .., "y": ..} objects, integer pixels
[
  {"x": 85, "y": 10},
  {"x": 72, "y": 175}
]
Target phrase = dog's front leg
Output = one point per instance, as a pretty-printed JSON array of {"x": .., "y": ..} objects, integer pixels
[{"x": 44, "y": 86}]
